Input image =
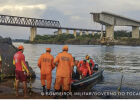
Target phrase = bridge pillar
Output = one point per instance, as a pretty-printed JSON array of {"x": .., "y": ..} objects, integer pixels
[
  {"x": 59, "y": 31},
  {"x": 135, "y": 32},
  {"x": 74, "y": 32},
  {"x": 101, "y": 32},
  {"x": 33, "y": 31},
  {"x": 92, "y": 33},
  {"x": 81, "y": 33},
  {"x": 67, "y": 32},
  {"x": 87, "y": 33},
  {"x": 109, "y": 31}
]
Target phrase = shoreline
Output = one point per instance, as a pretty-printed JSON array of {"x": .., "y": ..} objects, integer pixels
[
  {"x": 84, "y": 40},
  {"x": 118, "y": 44},
  {"x": 7, "y": 92}
]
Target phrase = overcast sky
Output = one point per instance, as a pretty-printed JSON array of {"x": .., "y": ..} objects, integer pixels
[{"x": 70, "y": 13}]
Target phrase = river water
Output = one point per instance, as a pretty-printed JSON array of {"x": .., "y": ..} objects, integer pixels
[{"x": 115, "y": 60}]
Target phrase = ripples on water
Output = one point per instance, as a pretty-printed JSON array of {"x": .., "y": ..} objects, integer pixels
[{"x": 115, "y": 60}]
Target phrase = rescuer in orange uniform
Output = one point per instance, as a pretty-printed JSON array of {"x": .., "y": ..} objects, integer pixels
[
  {"x": 84, "y": 68},
  {"x": 90, "y": 61},
  {"x": 46, "y": 65},
  {"x": 21, "y": 69},
  {"x": 64, "y": 62}
]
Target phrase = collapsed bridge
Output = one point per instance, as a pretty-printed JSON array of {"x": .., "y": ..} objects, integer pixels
[{"x": 111, "y": 20}]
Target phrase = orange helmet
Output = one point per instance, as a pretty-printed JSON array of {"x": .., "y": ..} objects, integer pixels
[
  {"x": 20, "y": 47},
  {"x": 65, "y": 48},
  {"x": 48, "y": 49}
]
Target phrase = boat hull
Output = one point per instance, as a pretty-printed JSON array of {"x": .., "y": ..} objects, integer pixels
[{"x": 88, "y": 80}]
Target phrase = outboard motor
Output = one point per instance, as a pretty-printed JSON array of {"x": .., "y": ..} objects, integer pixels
[{"x": 95, "y": 68}]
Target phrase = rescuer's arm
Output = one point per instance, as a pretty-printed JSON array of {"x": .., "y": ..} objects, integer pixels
[
  {"x": 92, "y": 63},
  {"x": 88, "y": 68},
  {"x": 39, "y": 62},
  {"x": 24, "y": 65},
  {"x": 56, "y": 60},
  {"x": 72, "y": 63},
  {"x": 14, "y": 61},
  {"x": 52, "y": 63}
]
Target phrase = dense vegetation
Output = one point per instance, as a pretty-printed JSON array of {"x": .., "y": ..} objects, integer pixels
[
  {"x": 66, "y": 39},
  {"x": 121, "y": 34},
  {"x": 121, "y": 37}
]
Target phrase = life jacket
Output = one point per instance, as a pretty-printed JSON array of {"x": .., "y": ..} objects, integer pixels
[
  {"x": 81, "y": 64},
  {"x": 90, "y": 63}
]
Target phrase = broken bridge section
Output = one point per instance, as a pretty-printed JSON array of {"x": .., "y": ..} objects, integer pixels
[{"x": 111, "y": 20}]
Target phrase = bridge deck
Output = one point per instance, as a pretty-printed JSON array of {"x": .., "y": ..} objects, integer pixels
[{"x": 107, "y": 18}]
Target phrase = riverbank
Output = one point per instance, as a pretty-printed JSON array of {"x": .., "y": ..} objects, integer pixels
[
  {"x": 84, "y": 40},
  {"x": 7, "y": 91}
]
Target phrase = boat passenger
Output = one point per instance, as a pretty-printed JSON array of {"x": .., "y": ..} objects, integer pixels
[
  {"x": 84, "y": 68},
  {"x": 91, "y": 62}
]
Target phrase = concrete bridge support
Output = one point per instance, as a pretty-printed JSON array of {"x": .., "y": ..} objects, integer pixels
[
  {"x": 74, "y": 32},
  {"x": 98, "y": 33},
  {"x": 87, "y": 33},
  {"x": 135, "y": 32},
  {"x": 101, "y": 32},
  {"x": 81, "y": 33},
  {"x": 93, "y": 33},
  {"x": 109, "y": 31},
  {"x": 33, "y": 31},
  {"x": 67, "y": 32},
  {"x": 59, "y": 31}
]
